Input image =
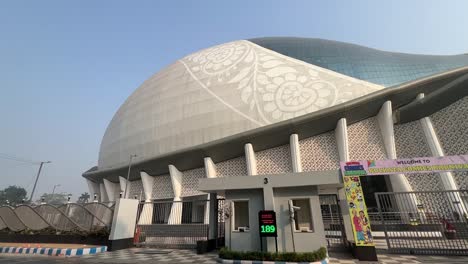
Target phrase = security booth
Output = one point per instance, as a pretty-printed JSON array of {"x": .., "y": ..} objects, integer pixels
[{"x": 292, "y": 199}]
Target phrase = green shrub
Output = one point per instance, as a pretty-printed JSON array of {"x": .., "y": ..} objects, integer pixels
[{"x": 317, "y": 255}]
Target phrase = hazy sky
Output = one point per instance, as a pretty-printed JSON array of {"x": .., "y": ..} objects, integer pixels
[{"x": 66, "y": 66}]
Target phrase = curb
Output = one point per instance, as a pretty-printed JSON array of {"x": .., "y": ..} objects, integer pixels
[
  {"x": 230, "y": 261},
  {"x": 69, "y": 252}
]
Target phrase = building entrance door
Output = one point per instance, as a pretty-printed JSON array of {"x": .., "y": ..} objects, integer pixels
[{"x": 371, "y": 185}]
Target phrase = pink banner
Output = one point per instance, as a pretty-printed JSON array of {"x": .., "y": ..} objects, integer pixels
[{"x": 404, "y": 166}]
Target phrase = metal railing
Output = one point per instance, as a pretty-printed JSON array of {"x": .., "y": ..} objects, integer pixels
[
  {"x": 174, "y": 224},
  {"x": 332, "y": 221},
  {"x": 431, "y": 222},
  {"x": 66, "y": 217}
]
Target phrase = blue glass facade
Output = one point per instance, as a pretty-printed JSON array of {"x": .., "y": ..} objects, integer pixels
[{"x": 380, "y": 67}]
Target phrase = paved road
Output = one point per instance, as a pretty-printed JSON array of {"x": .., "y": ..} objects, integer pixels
[{"x": 155, "y": 256}]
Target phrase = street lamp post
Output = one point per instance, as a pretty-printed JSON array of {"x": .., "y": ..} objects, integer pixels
[
  {"x": 37, "y": 178},
  {"x": 128, "y": 174}
]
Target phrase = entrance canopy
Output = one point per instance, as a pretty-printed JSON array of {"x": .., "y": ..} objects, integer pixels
[{"x": 330, "y": 178}]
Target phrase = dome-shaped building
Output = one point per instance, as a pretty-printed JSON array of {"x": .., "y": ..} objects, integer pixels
[
  {"x": 243, "y": 85},
  {"x": 283, "y": 105}
]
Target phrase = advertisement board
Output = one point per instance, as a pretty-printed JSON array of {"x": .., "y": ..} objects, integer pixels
[
  {"x": 358, "y": 211},
  {"x": 404, "y": 166},
  {"x": 352, "y": 170}
]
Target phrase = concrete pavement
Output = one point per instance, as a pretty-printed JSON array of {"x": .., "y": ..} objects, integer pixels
[{"x": 166, "y": 256}]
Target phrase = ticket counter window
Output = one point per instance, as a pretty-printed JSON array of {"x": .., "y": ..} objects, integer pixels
[
  {"x": 303, "y": 216},
  {"x": 241, "y": 216}
]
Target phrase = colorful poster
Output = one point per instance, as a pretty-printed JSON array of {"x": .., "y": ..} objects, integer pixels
[
  {"x": 358, "y": 211},
  {"x": 404, "y": 166}
]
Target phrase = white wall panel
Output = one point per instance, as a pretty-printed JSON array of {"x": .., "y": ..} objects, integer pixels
[
  {"x": 319, "y": 153},
  {"x": 274, "y": 161},
  {"x": 365, "y": 141},
  {"x": 231, "y": 168},
  {"x": 162, "y": 187},
  {"x": 190, "y": 182}
]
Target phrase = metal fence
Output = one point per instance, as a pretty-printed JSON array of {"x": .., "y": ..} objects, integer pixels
[
  {"x": 431, "y": 222},
  {"x": 174, "y": 224},
  {"x": 332, "y": 221},
  {"x": 66, "y": 217}
]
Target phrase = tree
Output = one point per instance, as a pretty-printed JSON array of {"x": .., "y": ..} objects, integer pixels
[
  {"x": 84, "y": 198},
  {"x": 55, "y": 199},
  {"x": 14, "y": 194}
]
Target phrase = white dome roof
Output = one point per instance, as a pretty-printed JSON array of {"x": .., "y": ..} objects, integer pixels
[{"x": 218, "y": 92}]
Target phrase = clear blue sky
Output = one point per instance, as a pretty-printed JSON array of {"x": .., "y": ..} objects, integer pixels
[{"x": 66, "y": 66}]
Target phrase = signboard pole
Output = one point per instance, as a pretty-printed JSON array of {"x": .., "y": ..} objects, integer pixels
[
  {"x": 276, "y": 244},
  {"x": 261, "y": 244}
]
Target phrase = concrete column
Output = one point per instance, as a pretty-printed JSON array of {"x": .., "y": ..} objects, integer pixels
[
  {"x": 102, "y": 190},
  {"x": 268, "y": 204},
  {"x": 175, "y": 217},
  {"x": 385, "y": 120},
  {"x": 448, "y": 182},
  {"x": 250, "y": 160},
  {"x": 147, "y": 182},
  {"x": 210, "y": 168},
  {"x": 341, "y": 136},
  {"x": 176, "y": 180},
  {"x": 399, "y": 181},
  {"x": 111, "y": 188},
  {"x": 146, "y": 216},
  {"x": 123, "y": 183},
  {"x": 212, "y": 216},
  {"x": 433, "y": 142},
  {"x": 435, "y": 147},
  {"x": 210, "y": 172},
  {"x": 93, "y": 189},
  {"x": 295, "y": 153}
]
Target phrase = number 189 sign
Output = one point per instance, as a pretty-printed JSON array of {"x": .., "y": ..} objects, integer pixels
[{"x": 267, "y": 223}]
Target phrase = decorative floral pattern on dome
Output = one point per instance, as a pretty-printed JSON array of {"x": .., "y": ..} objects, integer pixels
[
  {"x": 273, "y": 87},
  {"x": 218, "y": 61},
  {"x": 293, "y": 95}
]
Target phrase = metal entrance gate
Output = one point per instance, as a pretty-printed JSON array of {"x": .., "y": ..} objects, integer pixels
[
  {"x": 332, "y": 221},
  {"x": 432, "y": 222},
  {"x": 175, "y": 224}
]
